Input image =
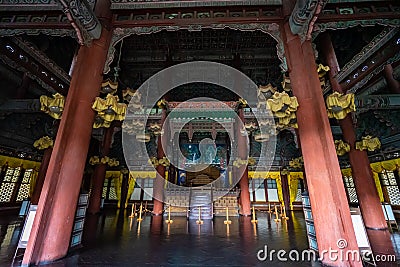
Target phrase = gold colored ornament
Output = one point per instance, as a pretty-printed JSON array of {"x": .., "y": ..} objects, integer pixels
[
  {"x": 296, "y": 163},
  {"x": 242, "y": 103},
  {"x": 322, "y": 70},
  {"x": 341, "y": 147},
  {"x": 53, "y": 106},
  {"x": 162, "y": 104},
  {"x": 108, "y": 110},
  {"x": 94, "y": 160},
  {"x": 43, "y": 143},
  {"x": 286, "y": 85},
  {"x": 143, "y": 137},
  {"x": 368, "y": 143},
  {"x": 251, "y": 161},
  {"x": 109, "y": 87},
  {"x": 340, "y": 105}
]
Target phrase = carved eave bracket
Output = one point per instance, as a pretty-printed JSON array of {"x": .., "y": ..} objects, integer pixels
[
  {"x": 83, "y": 20},
  {"x": 303, "y": 17}
]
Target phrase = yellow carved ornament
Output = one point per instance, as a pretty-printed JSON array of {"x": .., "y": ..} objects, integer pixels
[
  {"x": 368, "y": 143},
  {"x": 264, "y": 92},
  {"x": 162, "y": 104},
  {"x": 296, "y": 163},
  {"x": 239, "y": 162},
  {"x": 108, "y": 110},
  {"x": 284, "y": 108},
  {"x": 322, "y": 70},
  {"x": 251, "y": 161},
  {"x": 43, "y": 143},
  {"x": 94, "y": 160},
  {"x": 242, "y": 103},
  {"x": 340, "y": 105},
  {"x": 341, "y": 147},
  {"x": 109, "y": 87},
  {"x": 286, "y": 84},
  {"x": 113, "y": 162},
  {"x": 133, "y": 126},
  {"x": 53, "y": 106},
  {"x": 155, "y": 162},
  {"x": 134, "y": 99}
]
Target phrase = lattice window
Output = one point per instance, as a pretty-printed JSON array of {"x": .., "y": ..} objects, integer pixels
[
  {"x": 350, "y": 189},
  {"x": 148, "y": 183},
  {"x": 112, "y": 195},
  {"x": 105, "y": 186},
  {"x": 388, "y": 182},
  {"x": 12, "y": 175},
  {"x": 7, "y": 187},
  {"x": 352, "y": 195},
  {"x": 258, "y": 183},
  {"x": 271, "y": 184},
  {"x": 6, "y": 191},
  {"x": 23, "y": 192},
  {"x": 394, "y": 195},
  {"x": 298, "y": 196}
]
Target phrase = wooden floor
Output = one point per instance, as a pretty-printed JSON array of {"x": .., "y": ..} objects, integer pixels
[{"x": 113, "y": 239}]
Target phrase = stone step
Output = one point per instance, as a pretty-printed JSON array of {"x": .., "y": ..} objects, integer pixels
[{"x": 206, "y": 213}]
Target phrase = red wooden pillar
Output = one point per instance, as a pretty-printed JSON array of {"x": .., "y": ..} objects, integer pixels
[
  {"x": 41, "y": 175},
  {"x": 367, "y": 193},
  {"x": 327, "y": 194},
  {"x": 50, "y": 236},
  {"x": 393, "y": 84},
  {"x": 285, "y": 191},
  {"x": 99, "y": 174},
  {"x": 158, "y": 186},
  {"x": 244, "y": 180},
  {"x": 124, "y": 191}
]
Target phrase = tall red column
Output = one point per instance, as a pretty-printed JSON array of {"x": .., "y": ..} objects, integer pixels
[
  {"x": 393, "y": 84},
  {"x": 99, "y": 174},
  {"x": 41, "y": 175},
  {"x": 158, "y": 186},
  {"x": 285, "y": 191},
  {"x": 244, "y": 180},
  {"x": 367, "y": 193},
  {"x": 330, "y": 210},
  {"x": 51, "y": 231}
]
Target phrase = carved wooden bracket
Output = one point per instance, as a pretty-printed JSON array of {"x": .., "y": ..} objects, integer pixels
[
  {"x": 83, "y": 20},
  {"x": 303, "y": 17}
]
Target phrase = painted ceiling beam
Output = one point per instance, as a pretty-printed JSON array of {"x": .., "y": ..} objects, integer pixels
[
  {"x": 20, "y": 106},
  {"x": 23, "y": 5},
  {"x": 304, "y": 15},
  {"x": 382, "y": 50},
  {"x": 380, "y": 84},
  {"x": 145, "y": 4},
  {"x": 24, "y": 57},
  {"x": 377, "y": 102}
]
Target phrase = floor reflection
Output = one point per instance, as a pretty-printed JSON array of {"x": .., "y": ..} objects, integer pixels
[{"x": 114, "y": 239}]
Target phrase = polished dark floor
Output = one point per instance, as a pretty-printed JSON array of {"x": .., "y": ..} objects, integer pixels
[{"x": 113, "y": 239}]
